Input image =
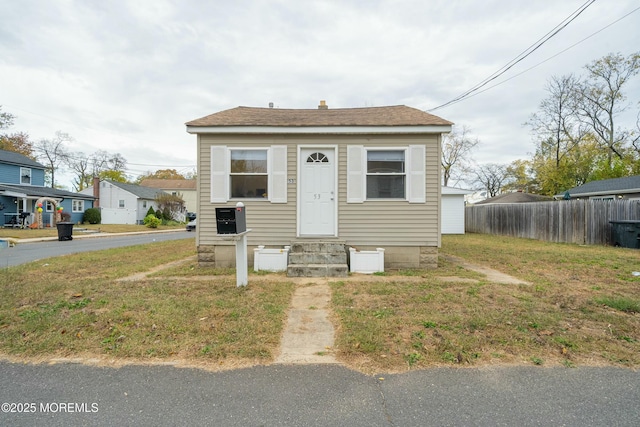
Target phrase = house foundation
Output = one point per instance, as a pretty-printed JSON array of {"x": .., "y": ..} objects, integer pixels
[{"x": 395, "y": 257}]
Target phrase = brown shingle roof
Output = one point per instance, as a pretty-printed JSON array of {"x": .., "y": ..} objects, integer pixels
[
  {"x": 398, "y": 115},
  {"x": 169, "y": 184}
]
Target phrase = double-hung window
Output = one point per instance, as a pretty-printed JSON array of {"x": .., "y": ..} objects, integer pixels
[
  {"x": 249, "y": 175},
  {"x": 25, "y": 176},
  {"x": 77, "y": 205},
  {"x": 386, "y": 174}
]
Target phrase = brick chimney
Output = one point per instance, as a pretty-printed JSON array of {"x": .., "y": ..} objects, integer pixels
[
  {"x": 323, "y": 105},
  {"x": 96, "y": 191}
]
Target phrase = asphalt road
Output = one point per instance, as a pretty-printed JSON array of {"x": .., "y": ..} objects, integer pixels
[
  {"x": 27, "y": 252},
  {"x": 317, "y": 395}
]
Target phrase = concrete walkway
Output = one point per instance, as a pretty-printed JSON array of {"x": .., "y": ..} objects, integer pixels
[{"x": 309, "y": 334}]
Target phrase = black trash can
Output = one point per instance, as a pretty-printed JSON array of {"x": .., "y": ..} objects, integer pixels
[
  {"x": 65, "y": 231},
  {"x": 625, "y": 234}
]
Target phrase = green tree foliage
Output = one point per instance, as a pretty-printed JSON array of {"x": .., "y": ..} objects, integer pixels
[
  {"x": 576, "y": 132},
  {"x": 161, "y": 174},
  {"x": 17, "y": 142}
]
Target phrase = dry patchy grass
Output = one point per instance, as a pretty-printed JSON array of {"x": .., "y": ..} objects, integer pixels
[
  {"x": 580, "y": 308},
  {"x": 74, "y": 305}
]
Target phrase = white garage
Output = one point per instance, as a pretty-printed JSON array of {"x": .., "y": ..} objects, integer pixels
[{"x": 452, "y": 210}]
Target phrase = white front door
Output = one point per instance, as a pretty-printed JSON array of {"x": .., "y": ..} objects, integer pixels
[{"x": 317, "y": 192}]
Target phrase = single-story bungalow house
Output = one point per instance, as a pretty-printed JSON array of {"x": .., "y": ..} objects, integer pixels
[
  {"x": 606, "y": 189},
  {"x": 22, "y": 189},
  {"x": 357, "y": 177}
]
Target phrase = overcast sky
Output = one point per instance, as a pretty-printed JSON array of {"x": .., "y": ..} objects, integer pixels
[{"x": 124, "y": 76}]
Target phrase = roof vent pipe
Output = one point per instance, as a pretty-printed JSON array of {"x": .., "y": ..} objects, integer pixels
[{"x": 323, "y": 105}]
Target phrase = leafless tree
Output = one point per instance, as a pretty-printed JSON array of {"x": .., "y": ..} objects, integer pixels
[
  {"x": 456, "y": 149},
  {"x": 52, "y": 153},
  {"x": 556, "y": 125},
  {"x": 602, "y": 99},
  {"x": 492, "y": 177}
]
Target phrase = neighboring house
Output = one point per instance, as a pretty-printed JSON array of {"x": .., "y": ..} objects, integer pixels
[
  {"x": 22, "y": 188},
  {"x": 515, "y": 197},
  {"x": 452, "y": 205},
  {"x": 607, "y": 189},
  {"x": 185, "y": 188},
  {"x": 365, "y": 177},
  {"x": 122, "y": 203}
]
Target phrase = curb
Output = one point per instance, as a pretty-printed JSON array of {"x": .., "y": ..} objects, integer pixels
[{"x": 86, "y": 236}]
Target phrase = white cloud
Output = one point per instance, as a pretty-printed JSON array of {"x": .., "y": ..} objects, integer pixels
[{"x": 125, "y": 76}]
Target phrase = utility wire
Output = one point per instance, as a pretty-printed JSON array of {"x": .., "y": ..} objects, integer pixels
[
  {"x": 554, "y": 56},
  {"x": 528, "y": 51}
]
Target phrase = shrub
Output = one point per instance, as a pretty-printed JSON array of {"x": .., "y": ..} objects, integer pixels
[
  {"x": 65, "y": 216},
  {"x": 151, "y": 211},
  {"x": 92, "y": 216},
  {"x": 151, "y": 221}
]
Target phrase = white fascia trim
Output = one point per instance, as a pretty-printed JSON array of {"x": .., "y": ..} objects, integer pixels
[{"x": 328, "y": 130}]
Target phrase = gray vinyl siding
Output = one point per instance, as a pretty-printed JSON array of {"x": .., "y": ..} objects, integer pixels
[{"x": 372, "y": 223}]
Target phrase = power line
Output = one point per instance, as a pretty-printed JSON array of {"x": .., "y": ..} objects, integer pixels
[
  {"x": 554, "y": 56},
  {"x": 528, "y": 51}
]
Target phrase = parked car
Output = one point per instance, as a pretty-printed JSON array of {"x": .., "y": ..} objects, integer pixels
[
  {"x": 191, "y": 225},
  {"x": 191, "y": 216}
]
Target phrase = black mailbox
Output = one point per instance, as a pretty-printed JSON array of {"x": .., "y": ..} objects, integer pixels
[{"x": 231, "y": 220}]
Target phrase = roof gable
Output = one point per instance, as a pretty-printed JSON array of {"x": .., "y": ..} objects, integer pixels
[
  {"x": 14, "y": 158},
  {"x": 138, "y": 190},
  {"x": 399, "y": 115}
]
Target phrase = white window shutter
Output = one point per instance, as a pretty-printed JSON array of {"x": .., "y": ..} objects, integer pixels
[
  {"x": 416, "y": 174},
  {"x": 278, "y": 176},
  {"x": 219, "y": 174},
  {"x": 356, "y": 173}
]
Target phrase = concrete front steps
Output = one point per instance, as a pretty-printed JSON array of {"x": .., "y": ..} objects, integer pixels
[{"x": 317, "y": 259}]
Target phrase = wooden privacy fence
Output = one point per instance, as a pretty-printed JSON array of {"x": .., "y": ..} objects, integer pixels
[{"x": 568, "y": 221}]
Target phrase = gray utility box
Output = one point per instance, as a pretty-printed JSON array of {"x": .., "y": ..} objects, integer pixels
[
  {"x": 625, "y": 234},
  {"x": 231, "y": 220}
]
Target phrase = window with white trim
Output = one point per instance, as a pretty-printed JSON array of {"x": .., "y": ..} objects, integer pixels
[
  {"x": 77, "y": 205},
  {"x": 386, "y": 174},
  {"x": 249, "y": 177},
  {"x": 121, "y": 203},
  {"x": 25, "y": 176},
  {"x": 48, "y": 207},
  {"x": 249, "y": 173}
]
